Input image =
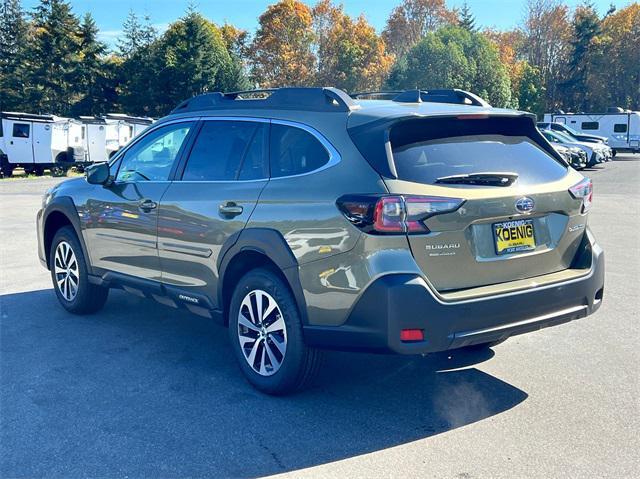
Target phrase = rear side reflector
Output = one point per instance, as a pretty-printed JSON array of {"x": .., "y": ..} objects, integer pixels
[
  {"x": 394, "y": 214},
  {"x": 411, "y": 335}
]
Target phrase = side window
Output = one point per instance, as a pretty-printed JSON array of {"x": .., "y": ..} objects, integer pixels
[
  {"x": 295, "y": 151},
  {"x": 590, "y": 125},
  {"x": 228, "y": 150},
  {"x": 152, "y": 157},
  {"x": 620, "y": 128},
  {"x": 21, "y": 130}
]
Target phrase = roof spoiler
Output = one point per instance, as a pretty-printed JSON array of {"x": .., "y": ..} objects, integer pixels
[
  {"x": 289, "y": 98},
  {"x": 452, "y": 95}
]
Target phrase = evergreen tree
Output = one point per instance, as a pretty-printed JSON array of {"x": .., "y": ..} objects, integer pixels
[
  {"x": 467, "y": 20},
  {"x": 584, "y": 50},
  {"x": 136, "y": 35},
  {"x": 91, "y": 78},
  {"x": 190, "y": 58},
  {"x": 531, "y": 92},
  {"x": 54, "y": 57},
  {"x": 193, "y": 59},
  {"x": 13, "y": 45}
]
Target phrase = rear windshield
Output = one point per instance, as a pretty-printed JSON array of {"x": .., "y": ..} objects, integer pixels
[{"x": 427, "y": 159}]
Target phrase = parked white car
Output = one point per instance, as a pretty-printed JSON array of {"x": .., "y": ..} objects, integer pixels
[
  {"x": 596, "y": 152},
  {"x": 36, "y": 142},
  {"x": 573, "y": 155}
]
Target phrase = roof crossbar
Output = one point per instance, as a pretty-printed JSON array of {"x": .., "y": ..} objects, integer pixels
[{"x": 289, "y": 98}]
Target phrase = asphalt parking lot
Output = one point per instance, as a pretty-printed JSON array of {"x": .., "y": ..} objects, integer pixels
[{"x": 141, "y": 390}]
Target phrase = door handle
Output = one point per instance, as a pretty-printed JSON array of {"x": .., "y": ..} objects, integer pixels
[
  {"x": 147, "y": 205},
  {"x": 230, "y": 209}
]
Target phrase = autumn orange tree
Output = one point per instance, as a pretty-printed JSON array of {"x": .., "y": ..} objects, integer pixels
[
  {"x": 350, "y": 55},
  {"x": 410, "y": 21},
  {"x": 281, "y": 49},
  {"x": 547, "y": 30},
  {"x": 615, "y": 77}
]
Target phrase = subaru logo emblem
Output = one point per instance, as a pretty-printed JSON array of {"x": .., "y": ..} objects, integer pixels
[{"x": 525, "y": 204}]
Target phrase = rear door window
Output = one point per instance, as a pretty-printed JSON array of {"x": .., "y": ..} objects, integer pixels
[
  {"x": 295, "y": 151},
  {"x": 228, "y": 150}
]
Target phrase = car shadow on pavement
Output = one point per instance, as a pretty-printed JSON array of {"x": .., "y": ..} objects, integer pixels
[{"x": 142, "y": 390}]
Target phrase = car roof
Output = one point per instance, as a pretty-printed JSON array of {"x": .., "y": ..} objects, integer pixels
[
  {"x": 373, "y": 110},
  {"x": 301, "y": 103}
]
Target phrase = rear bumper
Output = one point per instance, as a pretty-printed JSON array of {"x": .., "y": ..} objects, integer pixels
[{"x": 404, "y": 301}]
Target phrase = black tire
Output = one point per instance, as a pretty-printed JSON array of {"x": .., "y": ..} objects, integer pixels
[
  {"x": 299, "y": 363},
  {"x": 88, "y": 298},
  {"x": 59, "y": 170}
]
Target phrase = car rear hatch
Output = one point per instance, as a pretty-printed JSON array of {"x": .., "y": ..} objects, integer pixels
[{"x": 496, "y": 196}]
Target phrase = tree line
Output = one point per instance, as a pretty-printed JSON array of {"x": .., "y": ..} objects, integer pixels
[{"x": 52, "y": 61}]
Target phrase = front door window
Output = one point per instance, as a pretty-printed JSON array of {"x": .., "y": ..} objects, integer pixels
[{"x": 152, "y": 158}]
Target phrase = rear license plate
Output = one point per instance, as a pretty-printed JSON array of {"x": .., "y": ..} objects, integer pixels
[{"x": 514, "y": 236}]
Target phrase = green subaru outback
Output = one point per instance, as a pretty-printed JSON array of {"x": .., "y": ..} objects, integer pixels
[{"x": 305, "y": 219}]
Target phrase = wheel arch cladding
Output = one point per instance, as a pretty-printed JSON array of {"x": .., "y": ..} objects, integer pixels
[
  {"x": 253, "y": 248},
  {"x": 59, "y": 213}
]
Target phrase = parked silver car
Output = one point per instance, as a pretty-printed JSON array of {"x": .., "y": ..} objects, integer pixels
[{"x": 596, "y": 152}]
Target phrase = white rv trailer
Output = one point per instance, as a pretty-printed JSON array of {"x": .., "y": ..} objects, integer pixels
[
  {"x": 103, "y": 136},
  {"x": 622, "y": 128},
  {"x": 94, "y": 135},
  {"x": 36, "y": 142},
  {"x": 130, "y": 126}
]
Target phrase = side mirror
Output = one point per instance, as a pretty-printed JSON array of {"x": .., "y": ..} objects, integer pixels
[{"x": 98, "y": 174}]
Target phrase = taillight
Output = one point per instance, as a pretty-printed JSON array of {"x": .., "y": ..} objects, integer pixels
[
  {"x": 583, "y": 191},
  {"x": 394, "y": 214}
]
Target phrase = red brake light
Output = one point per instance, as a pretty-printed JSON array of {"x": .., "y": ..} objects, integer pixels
[
  {"x": 394, "y": 214},
  {"x": 583, "y": 191}
]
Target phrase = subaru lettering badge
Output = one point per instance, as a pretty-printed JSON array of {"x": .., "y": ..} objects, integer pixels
[{"x": 525, "y": 204}]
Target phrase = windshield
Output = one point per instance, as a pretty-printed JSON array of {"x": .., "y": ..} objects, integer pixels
[
  {"x": 563, "y": 137},
  {"x": 571, "y": 130}
]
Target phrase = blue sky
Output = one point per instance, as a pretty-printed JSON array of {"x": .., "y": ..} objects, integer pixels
[{"x": 110, "y": 14}]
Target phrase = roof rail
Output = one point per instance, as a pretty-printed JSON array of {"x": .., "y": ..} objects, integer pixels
[
  {"x": 17, "y": 115},
  {"x": 289, "y": 98},
  {"x": 453, "y": 95}
]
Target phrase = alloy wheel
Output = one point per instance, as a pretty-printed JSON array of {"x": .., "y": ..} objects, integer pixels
[
  {"x": 66, "y": 271},
  {"x": 262, "y": 332}
]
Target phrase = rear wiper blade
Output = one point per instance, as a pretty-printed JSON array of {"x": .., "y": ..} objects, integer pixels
[{"x": 484, "y": 178}]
